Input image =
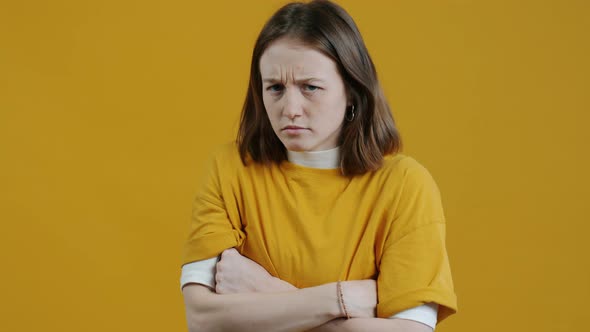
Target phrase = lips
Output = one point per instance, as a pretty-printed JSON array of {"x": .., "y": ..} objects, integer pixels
[
  {"x": 293, "y": 128},
  {"x": 294, "y": 131}
]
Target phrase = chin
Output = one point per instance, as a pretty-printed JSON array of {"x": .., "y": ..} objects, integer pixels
[{"x": 296, "y": 146}]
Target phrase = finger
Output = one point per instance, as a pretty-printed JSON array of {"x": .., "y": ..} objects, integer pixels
[
  {"x": 218, "y": 283},
  {"x": 218, "y": 273}
]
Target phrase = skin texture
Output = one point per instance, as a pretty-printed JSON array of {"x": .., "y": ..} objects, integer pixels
[
  {"x": 302, "y": 88},
  {"x": 297, "y": 310},
  {"x": 238, "y": 274}
]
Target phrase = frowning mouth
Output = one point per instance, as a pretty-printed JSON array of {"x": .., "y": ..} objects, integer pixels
[{"x": 293, "y": 128}]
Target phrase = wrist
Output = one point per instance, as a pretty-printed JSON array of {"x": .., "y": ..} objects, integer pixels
[{"x": 327, "y": 296}]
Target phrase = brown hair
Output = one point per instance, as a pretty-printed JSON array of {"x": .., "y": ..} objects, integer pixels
[{"x": 328, "y": 28}]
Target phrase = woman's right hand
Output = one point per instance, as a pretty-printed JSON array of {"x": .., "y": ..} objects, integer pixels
[
  {"x": 360, "y": 298},
  {"x": 238, "y": 274}
]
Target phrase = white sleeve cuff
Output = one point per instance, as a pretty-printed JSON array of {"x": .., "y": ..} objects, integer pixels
[
  {"x": 200, "y": 272},
  {"x": 425, "y": 314}
]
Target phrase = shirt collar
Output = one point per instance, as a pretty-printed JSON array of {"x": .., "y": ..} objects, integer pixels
[{"x": 325, "y": 159}]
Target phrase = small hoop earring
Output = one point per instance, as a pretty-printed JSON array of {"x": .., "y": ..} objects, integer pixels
[{"x": 350, "y": 116}]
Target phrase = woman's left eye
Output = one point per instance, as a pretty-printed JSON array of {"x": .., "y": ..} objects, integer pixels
[{"x": 311, "y": 87}]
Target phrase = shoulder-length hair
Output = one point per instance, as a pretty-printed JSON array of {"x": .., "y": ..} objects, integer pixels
[{"x": 328, "y": 28}]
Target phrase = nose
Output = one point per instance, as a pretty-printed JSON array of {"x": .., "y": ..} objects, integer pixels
[{"x": 293, "y": 105}]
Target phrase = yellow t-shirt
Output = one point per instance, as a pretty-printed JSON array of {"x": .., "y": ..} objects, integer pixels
[{"x": 312, "y": 226}]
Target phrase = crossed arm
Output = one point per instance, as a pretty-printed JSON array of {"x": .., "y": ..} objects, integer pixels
[{"x": 248, "y": 298}]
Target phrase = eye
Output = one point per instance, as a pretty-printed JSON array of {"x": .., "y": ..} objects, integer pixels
[
  {"x": 311, "y": 88},
  {"x": 275, "y": 88}
]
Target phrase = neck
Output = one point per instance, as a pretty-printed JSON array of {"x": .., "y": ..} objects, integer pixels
[{"x": 325, "y": 159}]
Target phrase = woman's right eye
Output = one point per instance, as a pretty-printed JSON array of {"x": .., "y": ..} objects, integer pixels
[{"x": 275, "y": 88}]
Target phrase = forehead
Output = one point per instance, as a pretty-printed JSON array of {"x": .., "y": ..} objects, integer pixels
[{"x": 291, "y": 57}]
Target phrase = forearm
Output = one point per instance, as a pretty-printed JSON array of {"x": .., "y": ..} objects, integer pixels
[
  {"x": 372, "y": 324},
  {"x": 294, "y": 310}
]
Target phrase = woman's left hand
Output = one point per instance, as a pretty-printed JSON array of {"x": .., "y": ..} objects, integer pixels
[{"x": 238, "y": 274}]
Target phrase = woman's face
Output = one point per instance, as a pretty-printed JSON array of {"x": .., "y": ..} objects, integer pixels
[{"x": 304, "y": 95}]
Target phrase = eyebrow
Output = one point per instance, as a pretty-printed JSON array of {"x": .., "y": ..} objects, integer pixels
[{"x": 303, "y": 80}]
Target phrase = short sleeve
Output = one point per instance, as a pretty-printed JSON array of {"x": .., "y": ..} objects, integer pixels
[
  {"x": 212, "y": 230},
  {"x": 414, "y": 267}
]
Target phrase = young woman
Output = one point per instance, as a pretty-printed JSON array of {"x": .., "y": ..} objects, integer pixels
[{"x": 312, "y": 219}]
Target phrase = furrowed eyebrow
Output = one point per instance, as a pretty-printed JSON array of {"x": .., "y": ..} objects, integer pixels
[{"x": 303, "y": 80}]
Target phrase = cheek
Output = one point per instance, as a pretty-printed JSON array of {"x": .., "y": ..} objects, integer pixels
[
  {"x": 337, "y": 107},
  {"x": 267, "y": 104},
  {"x": 270, "y": 107}
]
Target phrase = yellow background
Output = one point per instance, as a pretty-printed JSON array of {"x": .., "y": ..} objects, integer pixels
[{"x": 108, "y": 108}]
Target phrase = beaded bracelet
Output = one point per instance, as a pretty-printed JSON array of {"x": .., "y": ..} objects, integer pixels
[{"x": 341, "y": 299}]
